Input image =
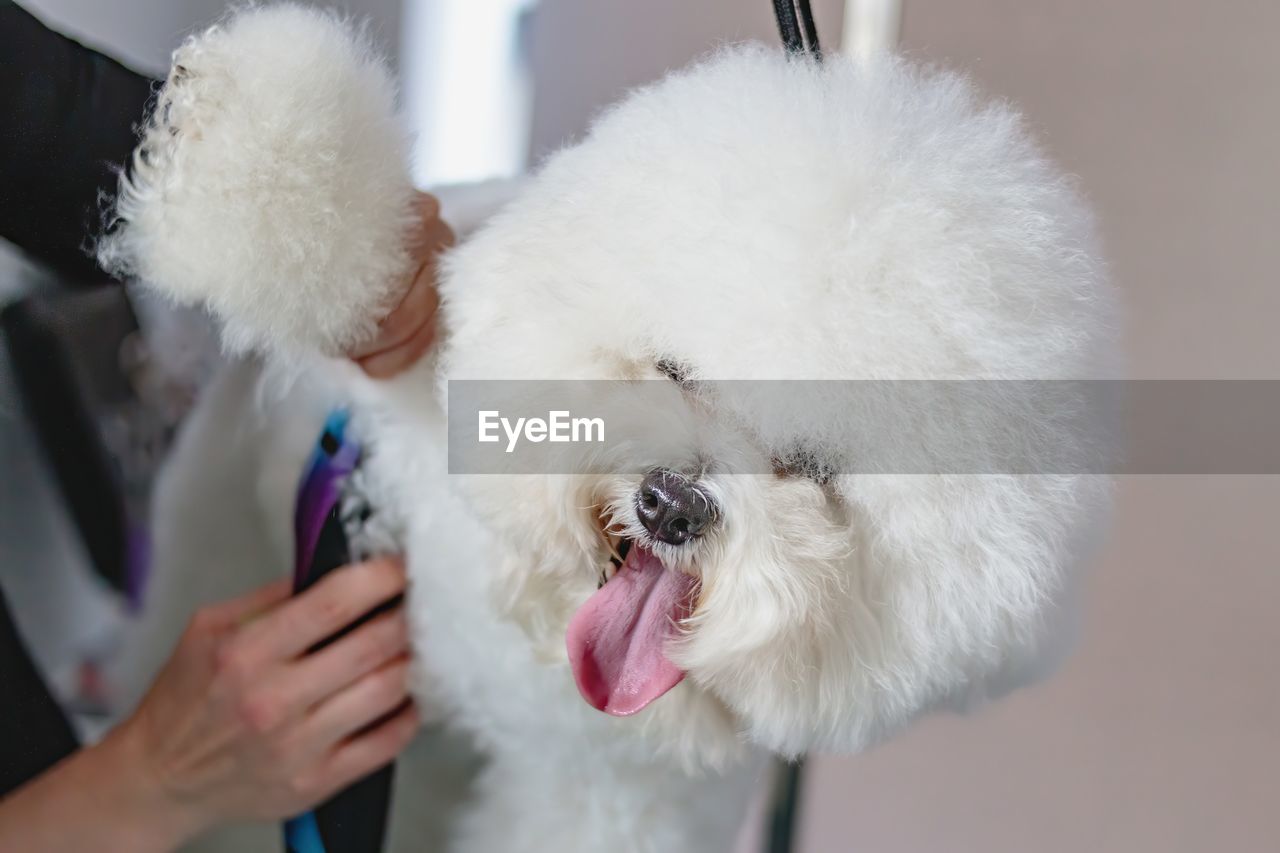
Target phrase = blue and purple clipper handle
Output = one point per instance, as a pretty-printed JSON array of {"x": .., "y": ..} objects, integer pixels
[
  {"x": 353, "y": 820},
  {"x": 318, "y": 533}
]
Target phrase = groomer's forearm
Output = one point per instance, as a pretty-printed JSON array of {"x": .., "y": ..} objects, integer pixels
[{"x": 97, "y": 800}]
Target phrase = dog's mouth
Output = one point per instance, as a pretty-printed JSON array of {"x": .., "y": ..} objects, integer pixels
[{"x": 616, "y": 639}]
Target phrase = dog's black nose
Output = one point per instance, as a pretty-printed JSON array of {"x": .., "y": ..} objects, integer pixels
[{"x": 671, "y": 508}]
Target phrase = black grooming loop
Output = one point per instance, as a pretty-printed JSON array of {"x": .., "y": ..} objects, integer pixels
[{"x": 795, "y": 23}]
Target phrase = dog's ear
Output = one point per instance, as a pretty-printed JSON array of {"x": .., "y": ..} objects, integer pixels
[{"x": 271, "y": 184}]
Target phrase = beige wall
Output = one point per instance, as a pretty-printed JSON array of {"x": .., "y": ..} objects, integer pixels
[
  {"x": 1163, "y": 731},
  {"x": 1160, "y": 735},
  {"x": 1169, "y": 110},
  {"x": 588, "y": 52}
]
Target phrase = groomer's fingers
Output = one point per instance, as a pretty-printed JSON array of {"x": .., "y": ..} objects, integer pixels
[
  {"x": 337, "y": 600},
  {"x": 419, "y": 301},
  {"x": 369, "y": 750},
  {"x": 343, "y": 663},
  {"x": 416, "y": 310},
  {"x": 409, "y": 329},
  {"x": 384, "y": 365},
  {"x": 358, "y": 705},
  {"x": 435, "y": 234}
]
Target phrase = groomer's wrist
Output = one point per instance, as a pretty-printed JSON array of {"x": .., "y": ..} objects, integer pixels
[
  {"x": 103, "y": 798},
  {"x": 148, "y": 814}
]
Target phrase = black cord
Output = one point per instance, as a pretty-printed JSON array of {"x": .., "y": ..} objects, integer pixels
[
  {"x": 784, "y": 814},
  {"x": 788, "y": 27},
  {"x": 810, "y": 27},
  {"x": 797, "y": 27}
]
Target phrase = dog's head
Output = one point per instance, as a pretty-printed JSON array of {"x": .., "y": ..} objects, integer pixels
[{"x": 758, "y": 218}]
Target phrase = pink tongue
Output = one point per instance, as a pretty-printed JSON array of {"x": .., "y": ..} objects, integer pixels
[{"x": 615, "y": 640}]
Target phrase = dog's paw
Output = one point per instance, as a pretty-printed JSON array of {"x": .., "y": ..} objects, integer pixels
[{"x": 270, "y": 184}]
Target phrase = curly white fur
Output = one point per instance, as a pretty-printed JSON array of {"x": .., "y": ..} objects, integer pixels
[
  {"x": 754, "y": 217},
  {"x": 271, "y": 183}
]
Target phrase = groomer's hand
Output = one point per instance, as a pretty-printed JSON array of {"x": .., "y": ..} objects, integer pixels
[
  {"x": 242, "y": 723},
  {"x": 407, "y": 332}
]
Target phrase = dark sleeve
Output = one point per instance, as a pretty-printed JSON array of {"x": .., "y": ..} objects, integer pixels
[
  {"x": 67, "y": 118},
  {"x": 34, "y": 733}
]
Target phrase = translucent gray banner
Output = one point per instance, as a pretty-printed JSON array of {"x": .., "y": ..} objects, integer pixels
[{"x": 823, "y": 429}]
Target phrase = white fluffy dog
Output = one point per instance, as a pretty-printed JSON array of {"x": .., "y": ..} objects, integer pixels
[{"x": 751, "y": 217}]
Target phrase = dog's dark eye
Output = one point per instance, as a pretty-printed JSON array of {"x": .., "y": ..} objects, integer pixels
[
  {"x": 802, "y": 464},
  {"x": 673, "y": 370}
]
